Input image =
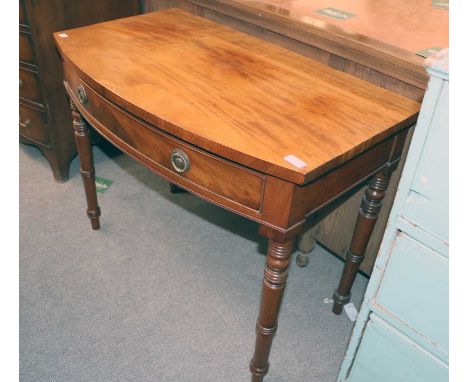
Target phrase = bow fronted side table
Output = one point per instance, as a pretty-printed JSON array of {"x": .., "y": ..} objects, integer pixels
[{"x": 252, "y": 127}]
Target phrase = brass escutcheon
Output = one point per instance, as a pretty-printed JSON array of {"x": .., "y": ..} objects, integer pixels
[
  {"x": 180, "y": 161},
  {"x": 82, "y": 96}
]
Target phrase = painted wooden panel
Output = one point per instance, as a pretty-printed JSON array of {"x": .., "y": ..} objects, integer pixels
[
  {"x": 387, "y": 355},
  {"x": 427, "y": 203},
  {"x": 414, "y": 289},
  {"x": 407, "y": 294}
]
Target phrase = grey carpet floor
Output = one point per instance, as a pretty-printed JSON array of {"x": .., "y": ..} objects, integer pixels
[{"x": 167, "y": 290}]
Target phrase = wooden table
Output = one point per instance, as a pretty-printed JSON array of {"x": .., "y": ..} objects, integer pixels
[
  {"x": 378, "y": 45},
  {"x": 243, "y": 123}
]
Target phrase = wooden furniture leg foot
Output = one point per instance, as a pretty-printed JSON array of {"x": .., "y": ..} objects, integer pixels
[
  {"x": 367, "y": 217},
  {"x": 306, "y": 245},
  {"x": 60, "y": 165},
  {"x": 85, "y": 152},
  {"x": 61, "y": 175},
  {"x": 302, "y": 258},
  {"x": 274, "y": 282}
]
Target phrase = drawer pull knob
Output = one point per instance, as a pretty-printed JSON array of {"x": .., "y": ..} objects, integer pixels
[
  {"x": 180, "y": 161},
  {"x": 20, "y": 83},
  {"x": 25, "y": 124},
  {"x": 82, "y": 96}
]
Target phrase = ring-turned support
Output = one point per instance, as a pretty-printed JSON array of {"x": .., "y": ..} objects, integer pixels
[
  {"x": 274, "y": 282},
  {"x": 306, "y": 244},
  {"x": 367, "y": 217},
  {"x": 83, "y": 144}
]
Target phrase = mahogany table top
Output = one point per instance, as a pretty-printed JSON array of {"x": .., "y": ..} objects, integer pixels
[{"x": 233, "y": 94}]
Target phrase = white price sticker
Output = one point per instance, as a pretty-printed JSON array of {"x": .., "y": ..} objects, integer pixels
[{"x": 295, "y": 161}]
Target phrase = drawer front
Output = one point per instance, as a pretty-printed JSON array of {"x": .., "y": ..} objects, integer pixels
[
  {"x": 32, "y": 124},
  {"x": 29, "y": 86},
  {"x": 414, "y": 288},
  {"x": 26, "y": 52},
  {"x": 23, "y": 17},
  {"x": 225, "y": 179},
  {"x": 387, "y": 355}
]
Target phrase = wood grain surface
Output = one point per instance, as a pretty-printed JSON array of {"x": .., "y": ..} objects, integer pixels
[
  {"x": 382, "y": 64},
  {"x": 243, "y": 187},
  {"x": 326, "y": 39},
  {"x": 41, "y": 72},
  {"x": 233, "y": 94},
  {"x": 410, "y": 25},
  {"x": 147, "y": 82}
]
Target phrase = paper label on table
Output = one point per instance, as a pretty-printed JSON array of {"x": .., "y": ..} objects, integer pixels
[
  {"x": 335, "y": 13},
  {"x": 351, "y": 311},
  {"x": 295, "y": 161},
  {"x": 63, "y": 35},
  {"x": 428, "y": 52},
  {"x": 442, "y": 4},
  {"x": 102, "y": 184}
]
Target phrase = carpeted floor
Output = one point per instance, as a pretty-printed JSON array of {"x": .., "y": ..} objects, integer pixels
[{"x": 167, "y": 290}]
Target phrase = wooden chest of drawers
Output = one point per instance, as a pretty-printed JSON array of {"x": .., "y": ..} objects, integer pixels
[{"x": 44, "y": 119}]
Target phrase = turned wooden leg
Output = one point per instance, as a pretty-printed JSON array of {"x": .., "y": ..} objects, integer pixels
[
  {"x": 274, "y": 282},
  {"x": 367, "y": 217},
  {"x": 175, "y": 189},
  {"x": 305, "y": 246},
  {"x": 85, "y": 153}
]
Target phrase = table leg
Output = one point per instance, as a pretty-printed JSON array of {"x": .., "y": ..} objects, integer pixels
[
  {"x": 274, "y": 282},
  {"x": 306, "y": 245},
  {"x": 367, "y": 217},
  {"x": 305, "y": 248},
  {"x": 85, "y": 152}
]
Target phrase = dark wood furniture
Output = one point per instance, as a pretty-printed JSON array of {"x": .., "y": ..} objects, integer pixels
[
  {"x": 378, "y": 45},
  {"x": 252, "y": 127},
  {"x": 44, "y": 119}
]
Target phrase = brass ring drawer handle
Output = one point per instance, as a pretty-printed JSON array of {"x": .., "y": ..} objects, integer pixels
[
  {"x": 82, "y": 96},
  {"x": 24, "y": 124},
  {"x": 180, "y": 161}
]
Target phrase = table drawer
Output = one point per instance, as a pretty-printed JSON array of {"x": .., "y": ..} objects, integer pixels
[
  {"x": 32, "y": 124},
  {"x": 23, "y": 17},
  {"x": 211, "y": 173},
  {"x": 29, "y": 87},
  {"x": 26, "y": 52},
  {"x": 414, "y": 289}
]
